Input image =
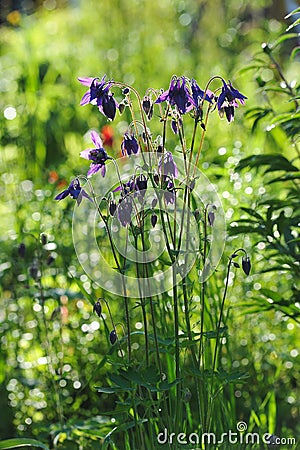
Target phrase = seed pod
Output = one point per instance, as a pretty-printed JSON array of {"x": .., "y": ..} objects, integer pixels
[
  {"x": 153, "y": 220},
  {"x": 97, "y": 308},
  {"x": 22, "y": 250},
  {"x": 113, "y": 337},
  {"x": 246, "y": 264}
]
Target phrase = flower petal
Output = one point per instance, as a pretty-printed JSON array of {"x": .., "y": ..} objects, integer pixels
[
  {"x": 94, "y": 168},
  {"x": 86, "y": 81},
  {"x": 62, "y": 195},
  {"x": 86, "y": 98},
  {"x": 85, "y": 153},
  {"x": 96, "y": 139}
]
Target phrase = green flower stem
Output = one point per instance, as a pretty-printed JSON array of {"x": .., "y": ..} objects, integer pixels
[{"x": 210, "y": 405}]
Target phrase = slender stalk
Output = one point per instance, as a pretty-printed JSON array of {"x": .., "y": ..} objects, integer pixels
[{"x": 211, "y": 398}]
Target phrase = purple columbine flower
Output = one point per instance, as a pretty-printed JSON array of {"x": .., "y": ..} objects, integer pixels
[
  {"x": 169, "y": 192},
  {"x": 97, "y": 155},
  {"x": 167, "y": 166},
  {"x": 125, "y": 210},
  {"x": 100, "y": 95},
  {"x": 227, "y": 100},
  {"x": 198, "y": 94},
  {"x": 178, "y": 95},
  {"x": 129, "y": 145},
  {"x": 75, "y": 191}
]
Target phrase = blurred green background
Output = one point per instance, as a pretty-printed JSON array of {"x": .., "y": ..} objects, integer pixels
[{"x": 45, "y": 46}]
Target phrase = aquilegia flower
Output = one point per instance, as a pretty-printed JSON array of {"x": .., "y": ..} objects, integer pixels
[
  {"x": 97, "y": 155},
  {"x": 129, "y": 145},
  {"x": 100, "y": 95},
  {"x": 198, "y": 94},
  {"x": 178, "y": 95},
  {"x": 75, "y": 191},
  {"x": 124, "y": 210},
  {"x": 227, "y": 100},
  {"x": 167, "y": 166}
]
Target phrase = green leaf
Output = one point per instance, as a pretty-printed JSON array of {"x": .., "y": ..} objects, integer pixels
[
  {"x": 271, "y": 294},
  {"x": 21, "y": 442},
  {"x": 293, "y": 25},
  {"x": 294, "y": 52},
  {"x": 292, "y": 13},
  {"x": 283, "y": 38},
  {"x": 273, "y": 160}
]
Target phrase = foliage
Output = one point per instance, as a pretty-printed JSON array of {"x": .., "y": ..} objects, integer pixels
[{"x": 274, "y": 218}]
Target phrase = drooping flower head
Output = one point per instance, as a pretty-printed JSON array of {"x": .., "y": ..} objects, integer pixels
[
  {"x": 99, "y": 94},
  {"x": 169, "y": 191},
  {"x": 167, "y": 166},
  {"x": 198, "y": 94},
  {"x": 97, "y": 155},
  {"x": 129, "y": 145},
  {"x": 227, "y": 100},
  {"x": 178, "y": 95},
  {"x": 75, "y": 191},
  {"x": 124, "y": 210}
]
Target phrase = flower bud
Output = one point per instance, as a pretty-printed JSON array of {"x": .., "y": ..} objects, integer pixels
[
  {"x": 246, "y": 264},
  {"x": 147, "y": 106},
  {"x": 22, "y": 250},
  {"x": 34, "y": 272},
  {"x": 153, "y": 220},
  {"x": 197, "y": 215},
  {"x": 154, "y": 202},
  {"x": 44, "y": 239},
  {"x": 49, "y": 260},
  {"x": 211, "y": 218},
  {"x": 126, "y": 91},
  {"x": 97, "y": 308},
  {"x": 113, "y": 337},
  {"x": 112, "y": 207}
]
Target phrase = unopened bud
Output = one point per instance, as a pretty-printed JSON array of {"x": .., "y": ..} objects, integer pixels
[
  {"x": 211, "y": 218},
  {"x": 246, "y": 264},
  {"x": 113, "y": 337},
  {"x": 153, "y": 220},
  {"x": 22, "y": 250},
  {"x": 44, "y": 239},
  {"x": 97, "y": 308}
]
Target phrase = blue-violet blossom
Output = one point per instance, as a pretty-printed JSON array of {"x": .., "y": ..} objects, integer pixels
[
  {"x": 167, "y": 166},
  {"x": 97, "y": 155},
  {"x": 75, "y": 191},
  {"x": 100, "y": 95},
  {"x": 178, "y": 95},
  {"x": 198, "y": 94},
  {"x": 124, "y": 210},
  {"x": 227, "y": 100},
  {"x": 129, "y": 145}
]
